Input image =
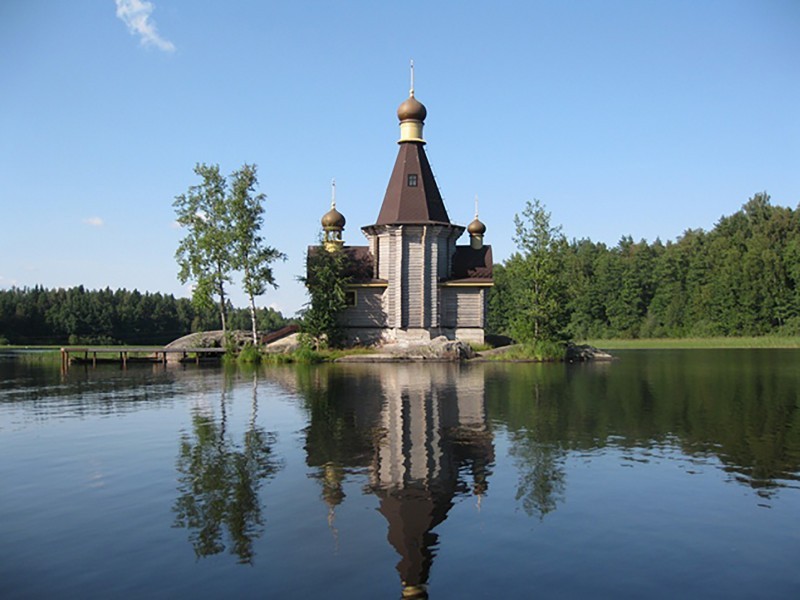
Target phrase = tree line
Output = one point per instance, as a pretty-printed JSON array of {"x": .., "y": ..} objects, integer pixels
[
  {"x": 740, "y": 278},
  {"x": 79, "y": 316}
]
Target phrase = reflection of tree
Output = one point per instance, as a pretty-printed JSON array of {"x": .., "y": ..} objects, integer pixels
[
  {"x": 541, "y": 480},
  {"x": 535, "y": 404},
  {"x": 342, "y": 413},
  {"x": 740, "y": 406},
  {"x": 539, "y": 457},
  {"x": 219, "y": 483}
]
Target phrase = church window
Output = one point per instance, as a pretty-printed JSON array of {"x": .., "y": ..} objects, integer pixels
[{"x": 412, "y": 180}]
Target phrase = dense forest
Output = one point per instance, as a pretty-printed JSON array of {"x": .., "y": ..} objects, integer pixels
[
  {"x": 79, "y": 316},
  {"x": 740, "y": 278}
]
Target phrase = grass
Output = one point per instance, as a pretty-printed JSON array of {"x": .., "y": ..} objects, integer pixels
[
  {"x": 691, "y": 343},
  {"x": 541, "y": 351},
  {"x": 249, "y": 354},
  {"x": 480, "y": 347},
  {"x": 306, "y": 356},
  {"x": 302, "y": 356}
]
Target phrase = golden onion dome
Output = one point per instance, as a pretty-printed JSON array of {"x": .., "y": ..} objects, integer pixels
[
  {"x": 333, "y": 219},
  {"x": 412, "y": 110},
  {"x": 476, "y": 227}
]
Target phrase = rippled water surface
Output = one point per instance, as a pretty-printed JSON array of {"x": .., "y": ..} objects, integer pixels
[{"x": 662, "y": 474}]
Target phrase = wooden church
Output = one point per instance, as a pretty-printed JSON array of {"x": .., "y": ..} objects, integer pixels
[{"x": 412, "y": 282}]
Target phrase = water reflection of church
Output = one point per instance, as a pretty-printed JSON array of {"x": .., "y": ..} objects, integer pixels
[{"x": 421, "y": 433}]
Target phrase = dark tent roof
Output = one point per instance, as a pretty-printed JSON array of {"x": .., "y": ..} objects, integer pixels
[
  {"x": 412, "y": 513},
  {"x": 359, "y": 263},
  {"x": 470, "y": 265},
  {"x": 412, "y": 204}
]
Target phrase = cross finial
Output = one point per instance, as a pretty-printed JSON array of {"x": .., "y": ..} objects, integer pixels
[
  {"x": 476, "y": 206},
  {"x": 333, "y": 193},
  {"x": 412, "y": 78}
]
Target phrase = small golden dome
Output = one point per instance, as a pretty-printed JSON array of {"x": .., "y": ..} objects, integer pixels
[
  {"x": 476, "y": 227},
  {"x": 333, "y": 219},
  {"x": 412, "y": 110}
]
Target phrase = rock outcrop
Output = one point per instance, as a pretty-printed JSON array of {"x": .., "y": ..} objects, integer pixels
[
  {"x": 438, "y": 349},
  {"x": 209, "y": 339},
  {"x": 284, "y": 345},
  {"x": 205, "y": 339},
  {"x": 580, "y": 353}
]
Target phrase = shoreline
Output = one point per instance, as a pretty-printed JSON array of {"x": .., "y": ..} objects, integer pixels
[
  {"x": 380, "y": 355},
  {"x": 690, "y": 343}
]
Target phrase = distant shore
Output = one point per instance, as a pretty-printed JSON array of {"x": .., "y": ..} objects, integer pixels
[
  {"x": 789, "y": 342},
  {"x": 690, "y": 343}
]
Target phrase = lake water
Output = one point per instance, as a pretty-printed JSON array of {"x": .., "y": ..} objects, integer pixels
[{"x": 662, "y": 474}]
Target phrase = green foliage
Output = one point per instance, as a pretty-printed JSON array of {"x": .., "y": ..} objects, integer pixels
[
  {"x": 249, "y": 354},
  {"x": 480, "y": 347},
  {"x": 326, "y": 283},
  {"x": 500, "y": 302},
  {"x": 268, "y": 319},
  {"x": 204, "y": 254},
  {"x": 537, "y": 351},
  {"x": 535, "y": 306},
  {"x": 40, "y": 316},
  {"x": 277, "y": 358},
  {"x": 790, "y": 328},
  {"x": 741, "y": 278},
  {"x": 223, "y": 219},
  {"x": 308, "y": 356},
  {"x": 94, "y": 340},
  {"x": 250, "y": 254},
  {"x": 304, "y": 355}
]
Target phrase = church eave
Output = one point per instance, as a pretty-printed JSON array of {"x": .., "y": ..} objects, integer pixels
[
  {"x": 377, "y": 227},
  {"x": 469, "y": 282}
]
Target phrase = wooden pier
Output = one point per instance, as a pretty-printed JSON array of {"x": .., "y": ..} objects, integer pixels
[{"x": 153, "y": 354}]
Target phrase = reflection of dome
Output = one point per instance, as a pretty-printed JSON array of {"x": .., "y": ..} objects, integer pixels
[
  {"x": 332, "y": 491},
  {"x": 333, "y": 219},
  {"x": 476, "y": 227},
  {"x": 412, "y": 110},
  {"x": 415, "y": 592}
]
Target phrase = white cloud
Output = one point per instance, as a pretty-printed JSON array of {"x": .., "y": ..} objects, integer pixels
[
  {"x": 136, "y": 15},
  {"x": 94, "y": 221},
  {"x": 7, "y": 282}
]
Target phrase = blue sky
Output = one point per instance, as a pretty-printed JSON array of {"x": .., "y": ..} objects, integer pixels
[{"x": 639, "y": 118}]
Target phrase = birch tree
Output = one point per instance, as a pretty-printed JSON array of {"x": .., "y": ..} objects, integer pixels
[
  {"x": 250, "y": 254},
  {"x": 204, "y": 254}
]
